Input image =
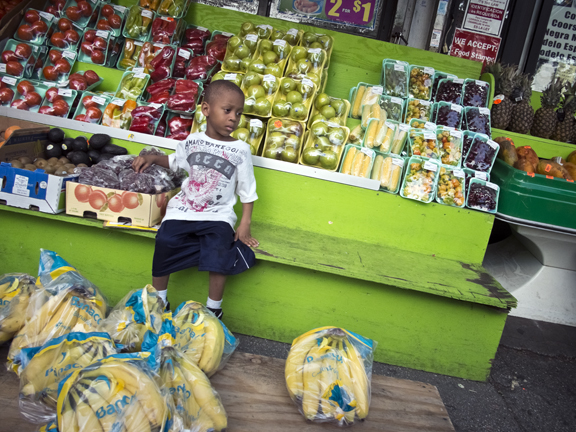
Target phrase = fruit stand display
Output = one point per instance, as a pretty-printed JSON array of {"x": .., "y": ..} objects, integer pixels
[{"x": 399, "y": 276}]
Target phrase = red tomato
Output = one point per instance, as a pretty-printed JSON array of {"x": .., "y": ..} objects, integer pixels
[
  {"x": 31, "y": 16},
  {"x": 33, "y": 99},
  {"x": 90, "y": 35},
  {"x": 73, "y": 13},
  {"x": 72, "y": 36},
  {"x": 46, "y": 110},
  {"x": 52, "y": 94},
  {"x": 23, "y": 51},
  {"x": 50, "y": 73},
  {"x": 78, "y": 84},
  {"x": 25, "y": 32},
  {"x": 97, "y": 57},
  {"x": 25, "y": 87},
  {"x": 20, "y": 104},
  {"x": 14, "y": 68},
  {"x": 9, "y": 56},
  {"x": 6, "y": 95},
  {"x": 91, "y": 77},
  {"x": 62, "y": 66},
  {"x": 86, "y": 47},
  {"x": 103, "y": 25},
  {"x": 40, "y": 28},
  {"x": 99, "y": 43},
  {"x": 87, "y": 102},
  {"x": 54, "y": 56},
  {"x": 85, "y": 8},
  {"x": 57, "y": 40},
  {"x": 93, "y": 114},
  {"x": 107, "y": 10},
  {"x": 115, "y": 21},
  {"x": 80, "y": 117},
  {"x": 64, "y": 24}
]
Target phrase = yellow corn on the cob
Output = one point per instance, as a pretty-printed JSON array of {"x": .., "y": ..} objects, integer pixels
[
  {"x": 387, "y": 142},
  {"x": 377, "y": 167},
  {"x": 366, "y": 110},
  {"x": 358, "y": 101},
  {"x": 365, "y": 168},
  {"x": 395, "y": 178},
  {"x": 357, "y": 164},
  {"x": 398, "y": 141},
  {"x": 385, "y": 173},
  {"x": 371, "y": 133},
  {"x": 356, "y": 134},
  {"x": 383, "y": 128},
  {"x": 370, "y": 97},
  {"x": 347, "y": 164}
]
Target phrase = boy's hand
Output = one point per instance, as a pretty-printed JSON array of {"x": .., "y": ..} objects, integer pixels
[
  {"x": 142, "y": 162},
  {"x": 243, "y": 234}
]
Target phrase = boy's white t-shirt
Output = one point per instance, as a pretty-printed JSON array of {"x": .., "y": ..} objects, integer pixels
[{"x": 219, "y": 170}]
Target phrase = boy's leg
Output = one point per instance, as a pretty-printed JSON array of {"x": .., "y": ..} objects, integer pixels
[
  {"x": 161, "y": 285},
  {"x": 216, "y": 282}
]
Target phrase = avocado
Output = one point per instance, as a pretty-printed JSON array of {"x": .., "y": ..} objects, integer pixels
[
  {"x": 114, "y": 149},
  {"x": 78, "y": 157},
  {"x": 56, "y": 135},
  {"x": 80, "y": 144},
  {"x": 53, "y": 150},
  {"x": 94, "y": 155},
  {"x": 67, "y": 146},
  {"x": 98, "y": 141}
]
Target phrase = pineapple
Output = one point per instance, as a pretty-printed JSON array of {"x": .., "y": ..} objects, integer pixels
[
  {"x": 545, "y": 118},
  {"x": 565, "y": 126},
  {"x": 503, "y": 77},
  {"x": 522, "y": 113}
]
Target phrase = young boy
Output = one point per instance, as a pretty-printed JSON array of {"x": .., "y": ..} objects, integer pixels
[{"x": 198, "y": 229}]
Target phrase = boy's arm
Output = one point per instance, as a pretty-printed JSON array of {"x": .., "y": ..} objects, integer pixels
[
  {"x": 142, "y": 162},
  {"x": 243, "y": 230}
]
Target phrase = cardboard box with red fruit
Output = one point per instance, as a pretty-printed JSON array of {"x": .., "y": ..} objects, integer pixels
[{"x": 116, "y": 205}]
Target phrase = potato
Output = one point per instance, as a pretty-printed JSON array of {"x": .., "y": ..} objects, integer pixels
[
  {"x": 507, "y": 152},
  {"x": 526, "y": 152},
  {"x": 546, "y": 167},
  {"x": 572, "y": 157},
  {"x": 525, "y": 165},
  {"x": 571, "y": 168}
]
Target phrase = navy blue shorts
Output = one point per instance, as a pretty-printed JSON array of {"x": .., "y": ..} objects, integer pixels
[{"x": 210, "y": 246}]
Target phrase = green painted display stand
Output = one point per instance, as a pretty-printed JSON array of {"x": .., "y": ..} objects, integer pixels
[{"x": 406, "y": 274}]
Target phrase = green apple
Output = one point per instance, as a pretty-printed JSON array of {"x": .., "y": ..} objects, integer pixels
[
  {"x": 304, "y": 89},
  {"x": 292, "y": 141},
  {"x": 281, "y": 109},
  {"x": 251, "y": 78},
  {"x": 247, "y": 27},
  {"x": 257, "y": 66},
  {"x": 288, "y": 85},
  {"x": 291, "y": 39},
  {"x": 294, "y": 127},
  {"x": 316, "y": 58},
  {"x": 316, "y": 45},
  {"x": 281, "y": 50},
  {"x": 336, "y": 120},
  {"x": 327, "y": 111},
  {"x": 319, "y": 129},
  {"x": 252, "y": 149},
  {"x": 255, "y": 91},
  {"x": 336, "y": 136},
  {"x": 242, "y": 52},
  {"x": 328, "y": 159},
  {"x": 243, "y": 123},
  {"x": 322, "y": 143},
  {"x": 277, "y": 34},
  {"x": 311, "y": 156},
  {"x": 298, "y": 53},
  {"x": 309, "y": 38},
  {"x": 321, "y": 100},
  {"x": 264, "y": 32},
  {"x": 266, "y": 45},
  {"x": 303, "y": 66},
  {"x": 294, "y": 97},
  {"x": 251, "y": 45},
  {"x": 270, "y": 57},
  {"x": 339, "y": 106},
  {"x": 314, "y": 78},
  {"x": 232, "y": 63},
  {"x": 298, "y": 111},
  {"x": 245, "y": 64},
  {"x": 273, "y": 69},
  {"x": 270, "y": 86},
  {"x": 271, "y": 153},
  {"x": 256, "y": 131},
  {"x": 249, "y": 105},
  {"x": 241, "y": 134},
  {"x": 289, "y": 154},
  {"x": 262, "y": 106},
  {"x": 276, "y": 138},
  {"x": 233, "y": 43},
  {"x": 326, "y": 41},
  {"x": 318, "y": 117},
  {"x": 199, "y": 117}
]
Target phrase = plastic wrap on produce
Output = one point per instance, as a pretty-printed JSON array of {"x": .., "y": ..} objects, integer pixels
[
  {"x": 137, "y": 313},
  {"x": 203, "y": 337},
  {"x": 44, "y": 368},
  {"x": 15, "y": 292},
  {"x": 250, "y": 6},
  {"x": 197, "y": 404},
  {"x": 328, "y": 375},
  {"x": 66, "y": 302},
  {"x": 119, "y": 392}
]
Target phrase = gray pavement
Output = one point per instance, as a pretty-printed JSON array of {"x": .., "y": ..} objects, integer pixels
[{"x": 532, "y": 386}]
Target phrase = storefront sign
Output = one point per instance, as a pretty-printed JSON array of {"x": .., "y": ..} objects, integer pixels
[
  {"x": 356, "y": 13},
  {"x": 485, "y": 16},
  {"x": 475, "y": 46}
]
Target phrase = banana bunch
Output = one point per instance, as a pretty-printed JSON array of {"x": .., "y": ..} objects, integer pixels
[
  {"x": 50, "y": 364},
  {"x": 388, "y": 171},
  {"x": 75, "y": 308},
  {"x": 196, "y": 401},
  {"x": 139, "y": 311},
  {"x": 200, "y": 335},
  {"x": 326, "y": 375},
  {"x": 118, "y": 393},
  {"x": 15, "y": 292}
]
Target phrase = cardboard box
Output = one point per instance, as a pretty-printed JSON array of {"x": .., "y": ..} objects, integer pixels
[
  {"x": 116, "y": 205},
  {"x": 34, "y": 190}
]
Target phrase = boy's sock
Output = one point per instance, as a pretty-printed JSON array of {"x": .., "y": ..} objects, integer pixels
[
  {"x": 215, "y": 307},
  {"x": 164, "y": 296}
]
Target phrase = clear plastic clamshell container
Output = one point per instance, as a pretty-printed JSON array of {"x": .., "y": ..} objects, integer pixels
[
  {"x": 448, "y": 114},
  {"x": 420, "y": 82},
  {"x": 393, "y": 106},
  {"x": 450, "y": 90},
  {"x": 451, "y": 190},
  {"x": 387, "y": 169},
  {"x": 476, "y": 93},
  {"x": 325, "y": 145},
  {"x": 482, "y": 195},
  {"x": 418, "y": 109},
  {"x": 420, "y": 179},
  {"x": 284, "y": 139},
  {"x": 395, "y": 75},
  {"x": 357, "y": 161},
  {"x": 293, "y": 99},
  {"x": 251, "y": 131},
  {"x": 260, "y": 92},
  {"x": 477, "y": 120},
  {"x": 450, "y": 144},
  {"x": 423, "y": 143},
  {"x": 482, "y": 154}
]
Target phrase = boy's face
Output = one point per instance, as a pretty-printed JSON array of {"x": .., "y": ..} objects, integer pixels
[{"x": 223, "y": 115}]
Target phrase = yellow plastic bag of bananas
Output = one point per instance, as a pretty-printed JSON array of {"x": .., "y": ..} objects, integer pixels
[
  {"x": 203, "y": 337},
  {"x": 197, "y": 404},
  {"x": 328, "y": 374},
  {"x": 15, "y": 292},
  {"x": 117, "y": 393},
  {"x": 138, "y": 312},
  {"x": 66, "y": 302},
  {"x": 46, "y": 366}
]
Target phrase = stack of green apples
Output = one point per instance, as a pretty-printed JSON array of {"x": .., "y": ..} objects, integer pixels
[
  {"x": 325, "y": 145},
  {"x": 283, "y": 139},
  {"x": 329, "y": 108},
  {"x": 271, "y": 57},
  {"x": 263, "y": 31},
  {"x": 306, "y": 63},
  {"x": 251, "y": 131},
  {"x": 318, "y": 40},
  {"x": 292, "y": 36},
  {"x": 236, "y": 78},
  {"x": 240, "y": 53},
  {"x": 259, "y": 91},
  {"x": 294, "y": 99}
]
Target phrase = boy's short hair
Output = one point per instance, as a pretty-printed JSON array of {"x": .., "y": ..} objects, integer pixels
[{"x": 217, "y": 88}]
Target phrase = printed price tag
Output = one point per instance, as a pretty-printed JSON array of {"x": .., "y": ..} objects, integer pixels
[
  {"x": 184, "y": 53},
  {"x": 427, "y": 82},
  {"x": 3, "y": 67},
  {"x": 292, "y": 32},
  {"x": 118, "y": 102},
  {"x": 492, "y": 185},
  {"x": 456, "y": 134},
  {"x": 430, "y": 166},
  {"x": 518, "y": 99},
  {"x": 102, "y": 34},
  {"x": 456, "y": 108},
  {"x": 280, "y": 42},
  {"x": 230, "y": 76},
  {"x": 251, "y": 37},
  {"x": 429, "y": 70},
  {"x": 314, "y": 50},
  {"x": 148, "y": 14},
  {"x": 481, "y": 83},
  {"x": 425, "y": 103},
  {"x": 120, "y": 9},
  {"x": 20, "y": 185},
  {"x": 404, "y": 127},
  {"x": 399, "y": 67},
  {"x": 65, "y": 92},
  {"x": 493, "y": 144},
  {"x": 458, "y": 173},
  {"x": 47, "y": 16},
  {"x": 458, "y": 81},
  {"x": 186, "y": 116},
  {"x": 332, "y": 125},
  {"x": 396, "y": 100},
  {"x": 480, "y": 175},
  {"x": 227, "y": 34},
  {"x": 429, "y": 135},
  {"x": 307, "y": 82},
  {"x": 9, "y": 80},
  {"x": 138, "y": 43},
  {"x": 484, "y": 111},
  {"x": 398, "y": 162},
  {"x": 202, "y": 29},
  {"x": 155, "y": 105},
  {"x": 69, "y": 54},
  {"x": 99, "y": 100},
  {"x": 390, "y": 125},
  {"x": 256, "y": 123},
  {"x": 140, "y": 75},
  {"x": 367, "y": 151},
  {"x": 377, "y": 90},
  {"x": 269, "y": 77},
  {"x": 169, "y": 19},
  {"x": 138, "y": 70},
  {"x": 264, "y": 26},
  {"x": 452, "y": 77},
  {"x": 430, "y": 125}
]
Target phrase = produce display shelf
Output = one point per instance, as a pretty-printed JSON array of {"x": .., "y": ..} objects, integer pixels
[{"x": 544, "y": 148}]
